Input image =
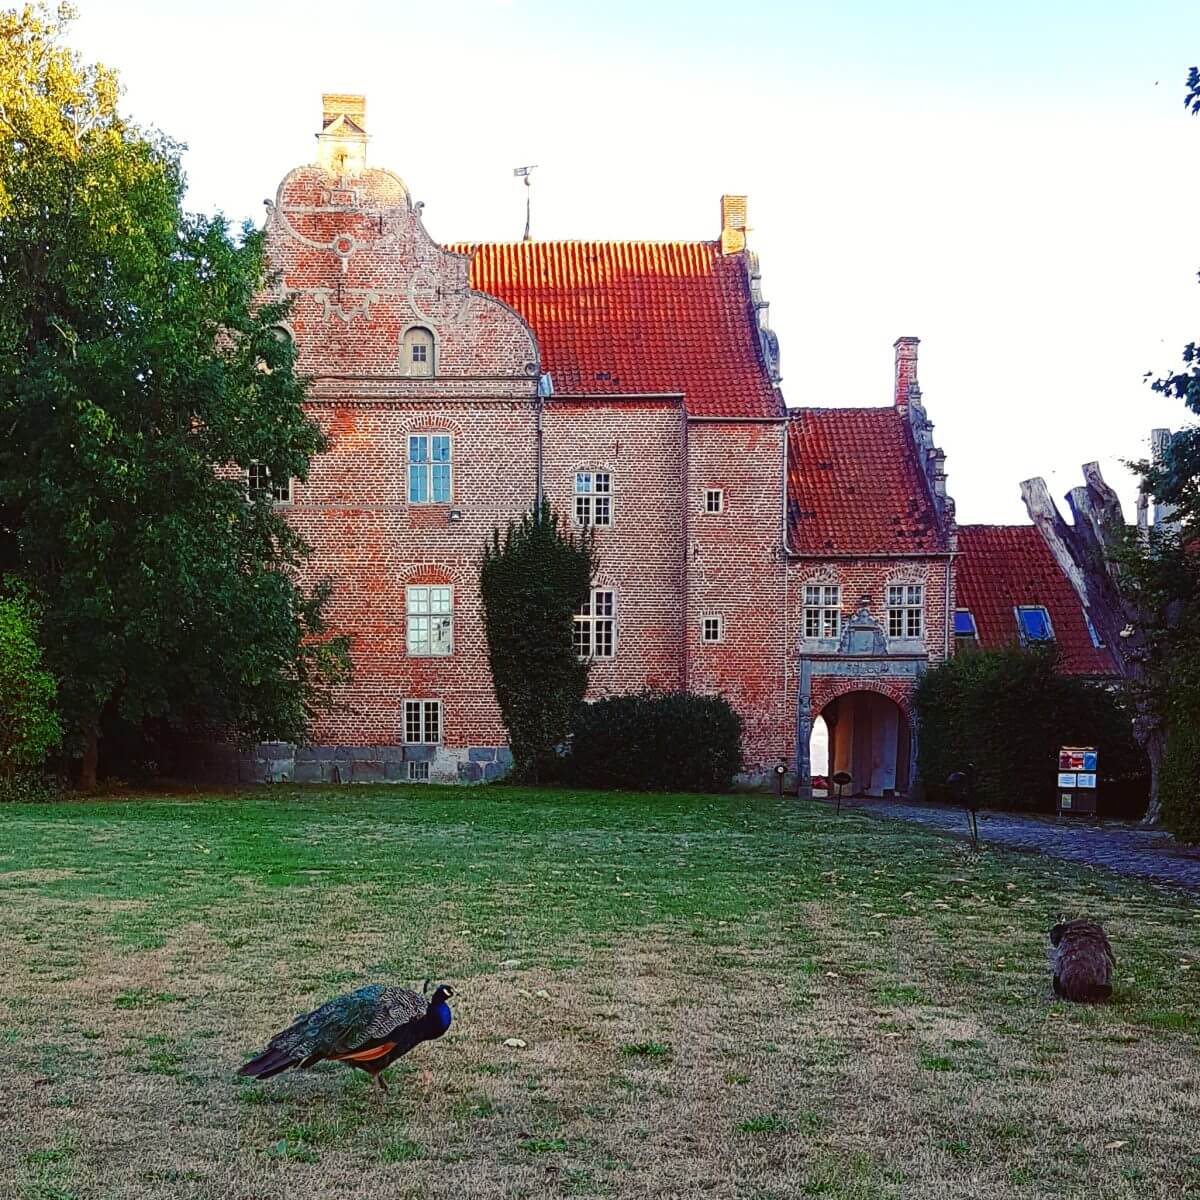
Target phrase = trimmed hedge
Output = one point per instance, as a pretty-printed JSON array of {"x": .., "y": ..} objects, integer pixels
[
  {"x": 656, "y": 742},
  {"x": 1008, "y": 711}
]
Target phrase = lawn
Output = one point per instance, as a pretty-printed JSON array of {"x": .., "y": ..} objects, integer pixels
[{"x": 718, "y": 996}]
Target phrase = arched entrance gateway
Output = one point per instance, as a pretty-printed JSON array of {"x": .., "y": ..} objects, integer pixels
[
  {"x": 868, "y": 735},
  {"x": 860, "y": 690}
]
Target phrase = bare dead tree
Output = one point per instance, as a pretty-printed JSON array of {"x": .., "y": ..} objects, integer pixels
[{"x": 1087, "y": 551}]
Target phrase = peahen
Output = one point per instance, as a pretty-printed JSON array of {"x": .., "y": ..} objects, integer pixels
[
  {"x": 1082, "y": 961},
  {"x": 369, "y": 1029}
]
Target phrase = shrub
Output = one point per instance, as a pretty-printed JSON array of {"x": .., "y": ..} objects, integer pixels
[
  {"x": 1179, "y": 782},
  {"x": 29, "y": 726},
  {"x": 1008, "y": 711},
  {"x": 656, "y": 741},
  {"x": 532, "y": 582}
]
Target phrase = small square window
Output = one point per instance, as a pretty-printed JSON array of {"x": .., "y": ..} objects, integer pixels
[
  {"x": 593, "y": 498},
  {"x": 1034, "y": 623},
  {"x": 423, "y": 721},
  {"x": 420, "y": 353},
  {"x": 1097, "y": 640},
  {"x": 712, "y": 629},
  {"x": 259, "y": 480},
  {"x": 714, "y": 500},
  {"x": 964, "y": 623},
  {"x": 418, "y": 772}
]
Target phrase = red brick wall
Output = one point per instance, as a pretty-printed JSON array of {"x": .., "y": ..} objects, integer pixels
[
  {"x": 640, "y": 445},
  {"x": 735, "y": 571}
]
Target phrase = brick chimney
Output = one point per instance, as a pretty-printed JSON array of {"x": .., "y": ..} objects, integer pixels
[
  {"x": 906, "y": 369},
  {"x": 342, "y": 142},
  {"x": 733, "y": 224}
]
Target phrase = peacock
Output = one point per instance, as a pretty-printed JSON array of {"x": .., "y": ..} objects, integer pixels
[{"x": 369, "y": 1029}]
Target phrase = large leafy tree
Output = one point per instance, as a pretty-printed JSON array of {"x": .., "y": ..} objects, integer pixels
[
  {"x": 1166, "y": 569},
  {"x": 139, "y": 379},
  {"x": 533, "y": 579}
]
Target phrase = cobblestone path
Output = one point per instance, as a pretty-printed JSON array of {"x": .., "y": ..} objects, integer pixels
[{"x": 1119, "y": 846}]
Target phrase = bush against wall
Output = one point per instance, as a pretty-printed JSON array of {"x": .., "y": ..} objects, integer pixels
[
  {"x": 533, "y": 580},
  {"x": 29, "y": 725},
  {"x": 1179, "y": 783},
  {"x": 656, "y": 741},
  {"x": 1008, "y": 711}
]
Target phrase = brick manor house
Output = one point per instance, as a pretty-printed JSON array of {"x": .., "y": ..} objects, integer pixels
[{"x": 801, "y": 561}]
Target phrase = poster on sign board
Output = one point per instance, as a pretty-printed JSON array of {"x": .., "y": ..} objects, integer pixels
[
  {"x": 1067, "y": 779},
  {"x": 1085, "y": 779}
]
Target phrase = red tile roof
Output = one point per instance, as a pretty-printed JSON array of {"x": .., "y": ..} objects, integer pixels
[
  {"x": 1003, "y": 566},
  {"x": 636, "y": 317},
  {"x": 854, "y": 485}
]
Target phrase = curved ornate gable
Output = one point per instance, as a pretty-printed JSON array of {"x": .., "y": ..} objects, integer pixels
[{"x": 354, "y": 256}]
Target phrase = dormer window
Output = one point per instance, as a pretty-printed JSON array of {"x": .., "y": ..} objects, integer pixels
[
  {"x": 416, "y": 352},
  {"x": 1033, "y": 621},
  {"x": 964, "y": 624}
]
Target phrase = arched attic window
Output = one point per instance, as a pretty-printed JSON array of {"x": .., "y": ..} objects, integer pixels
[{"x": 416, "y": 351}]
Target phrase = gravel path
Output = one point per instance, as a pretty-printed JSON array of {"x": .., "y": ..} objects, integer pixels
[{"x": 1119, "y": 846}]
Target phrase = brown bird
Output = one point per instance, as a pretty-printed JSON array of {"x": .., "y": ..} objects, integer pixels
[{"x": 1082, "y": 960}]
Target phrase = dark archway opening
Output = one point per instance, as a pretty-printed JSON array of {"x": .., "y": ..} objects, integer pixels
[{"x": 870, "y": 737}]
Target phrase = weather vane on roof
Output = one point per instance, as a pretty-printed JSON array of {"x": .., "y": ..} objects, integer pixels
[{"x": 525, "y": 173}]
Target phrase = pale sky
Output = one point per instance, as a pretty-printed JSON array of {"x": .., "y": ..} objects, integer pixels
[{"x": 1015, "y": 183}]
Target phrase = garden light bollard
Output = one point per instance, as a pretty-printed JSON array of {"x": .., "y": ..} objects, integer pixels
[
  {"x": 780, "y": 772},
  {"x": 842, "y": 780},
  {"x": 962, "y": 788}
]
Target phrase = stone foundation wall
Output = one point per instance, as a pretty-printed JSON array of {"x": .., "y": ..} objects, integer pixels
[{"x": 279, "y": 762}]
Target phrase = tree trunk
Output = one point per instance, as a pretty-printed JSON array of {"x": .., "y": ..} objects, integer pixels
[{"x": 1086, "y": 553}]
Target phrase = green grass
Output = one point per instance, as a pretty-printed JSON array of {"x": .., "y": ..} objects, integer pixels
[{"x": 709, "y": 988}]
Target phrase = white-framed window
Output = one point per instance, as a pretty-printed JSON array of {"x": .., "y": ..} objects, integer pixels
[
  {"x": 423, "y": 721},
  {"x": 822, "y": 610},
  {"x": 906, "y": 610},
  {"x": 714, "y": 500},
  {"x": 416, "y": 352},
  {"x": 1033, "y": 622},
  {"x": 596, "y": 625},
  {"x": 712, "y": 629},
  {"x": 259, "y": 481},
  {"x": 429, "y": 468},
  {"x": 418, "y": 772},
  {"x": 593, "y": 498},
  {"x": 430, "y": 615}
]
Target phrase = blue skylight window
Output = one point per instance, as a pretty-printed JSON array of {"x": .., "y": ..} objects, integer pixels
[
  {"x": 1034, "y": 624},
  {"x": 964, "y": 623}
]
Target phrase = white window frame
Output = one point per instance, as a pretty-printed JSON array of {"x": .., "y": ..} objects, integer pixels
[
  {"x": 712, "y": 495},
  {"x": 906, "y": 611},
  {"x": 822, "y": 610},
  {"x": 596, "y": 626},
  {"x": 418, "y": 772},
  {"x": 281, "y": 490},
  {"x": 428, "y": 720},
  {"x": 425, "y": 467},
  {"x": 417, "y": 608},
  {"x": 714, "y": 624},
  {"x": 1025, "y": 638},
  {"x": 593, "y": 503}
]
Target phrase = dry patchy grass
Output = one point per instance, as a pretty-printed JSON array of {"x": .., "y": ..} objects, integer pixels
[{"x": 719, "y": 997}]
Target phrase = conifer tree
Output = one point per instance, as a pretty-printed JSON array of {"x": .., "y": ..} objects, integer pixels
[{"x": 533, "y": 580}]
